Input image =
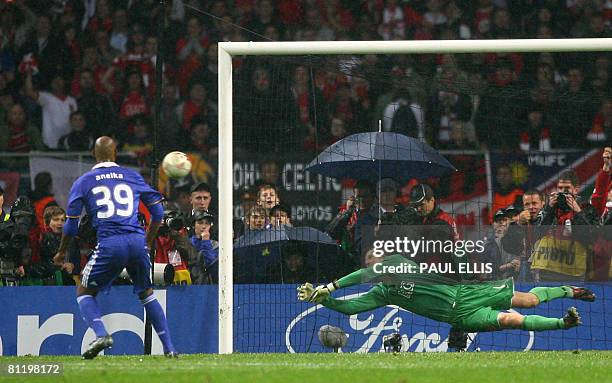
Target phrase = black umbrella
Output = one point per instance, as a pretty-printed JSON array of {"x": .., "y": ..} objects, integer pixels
[
  {"x": 282, "y": 234},
  {"x": 259, "y": 251},
  {"x": 380, "y": 155}
]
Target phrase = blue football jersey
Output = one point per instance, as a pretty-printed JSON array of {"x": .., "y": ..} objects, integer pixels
[{"x": 111, "y": 195}]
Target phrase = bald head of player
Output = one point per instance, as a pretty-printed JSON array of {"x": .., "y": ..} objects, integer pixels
[{"x": 105, "y": 149}]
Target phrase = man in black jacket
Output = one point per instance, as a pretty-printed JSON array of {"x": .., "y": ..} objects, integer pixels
[{"x": 566, "y": 227}]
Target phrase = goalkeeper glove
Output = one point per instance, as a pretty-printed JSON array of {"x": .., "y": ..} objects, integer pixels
[{"x": 308, "y": 293}]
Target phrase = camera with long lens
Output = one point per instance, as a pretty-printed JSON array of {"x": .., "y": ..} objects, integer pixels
[
  {"x": 173, "y": 220},
  {"x": 562, "y": 201},
  {"x": 14, "y": 244}
]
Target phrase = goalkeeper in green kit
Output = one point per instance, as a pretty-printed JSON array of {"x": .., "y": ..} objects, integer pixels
[{"x": 472, "y": 307}]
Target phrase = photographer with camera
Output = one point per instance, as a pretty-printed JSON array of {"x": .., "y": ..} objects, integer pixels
[
  {"x": 348, "y": 226},
  {"x": 566, "y": 225},
  {"x": 205, "y": 268},
  {"x": 173, "y": 246},
  {"x": 16, "y": 242},
  {"x": 564, "y": 204},
  {"x": 523, "y": 232}
]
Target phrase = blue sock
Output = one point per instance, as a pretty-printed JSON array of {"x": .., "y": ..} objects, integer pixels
[
  {"x": 91, "y": 314},
  {"x": 158, "y": 319}
]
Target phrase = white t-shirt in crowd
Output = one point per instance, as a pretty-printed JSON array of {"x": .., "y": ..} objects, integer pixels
[{"x": 56, "y": 117}]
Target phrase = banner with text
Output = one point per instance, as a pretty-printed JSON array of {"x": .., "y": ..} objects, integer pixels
[
  {"x": 313, "y": 199},
  {"x": 267, "y": 318},
  {"x": 541, "y": 170}
]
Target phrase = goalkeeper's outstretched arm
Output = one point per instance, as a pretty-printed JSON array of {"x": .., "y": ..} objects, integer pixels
[
  {"x": 307, "y": 292},
  {"x": 369, "y": 301}
]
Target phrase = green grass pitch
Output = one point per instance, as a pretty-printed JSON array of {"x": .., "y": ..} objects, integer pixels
[{"x": 506, "y": 367}]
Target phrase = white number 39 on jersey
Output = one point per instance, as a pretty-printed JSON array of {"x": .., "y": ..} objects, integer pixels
[{"x": 120, "y": 201}]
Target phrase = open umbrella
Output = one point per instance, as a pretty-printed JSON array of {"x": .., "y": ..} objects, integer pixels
[
  {"x": 258, "y": 253},
  {"x": 378, "y": 155},
  {"x": 284, "y": 233}
]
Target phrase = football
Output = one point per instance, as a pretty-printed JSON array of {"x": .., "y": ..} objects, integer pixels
[{"x": 176, "y": 165}]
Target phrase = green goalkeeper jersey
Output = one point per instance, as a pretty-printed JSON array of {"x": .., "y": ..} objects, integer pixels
[{"x": 429, "y": 295}]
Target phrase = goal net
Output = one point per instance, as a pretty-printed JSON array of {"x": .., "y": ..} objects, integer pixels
[{"x": 311, "y": 168}]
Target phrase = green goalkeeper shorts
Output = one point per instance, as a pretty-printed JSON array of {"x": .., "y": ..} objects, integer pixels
[{"x": 478, "y": 306}]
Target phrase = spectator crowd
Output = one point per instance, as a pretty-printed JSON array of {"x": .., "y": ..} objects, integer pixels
[
  {"x": 554, "y": 237},
  {"x": 98, "y": 58},
  {"x": 72, "y": 70}
]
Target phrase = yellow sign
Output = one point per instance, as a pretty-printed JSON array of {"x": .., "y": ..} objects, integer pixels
[{"x": 560, "y": 255}]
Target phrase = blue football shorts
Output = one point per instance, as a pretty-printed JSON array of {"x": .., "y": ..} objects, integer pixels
[{"x": 112, "y": 255}]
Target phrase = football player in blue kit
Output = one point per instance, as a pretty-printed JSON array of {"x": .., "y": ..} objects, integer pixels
[{"x": 111, "y": 195}]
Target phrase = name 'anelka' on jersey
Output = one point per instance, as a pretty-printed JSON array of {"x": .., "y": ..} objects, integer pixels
[{"x": 108, "y": 176}]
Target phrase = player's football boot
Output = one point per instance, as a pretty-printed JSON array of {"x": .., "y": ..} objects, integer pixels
[
  {"x": 583, "y": 294},
  {"x": 171, "y": 354},
  {"x": 571, "y": 319},
  {"x": 98, "y": 345}
]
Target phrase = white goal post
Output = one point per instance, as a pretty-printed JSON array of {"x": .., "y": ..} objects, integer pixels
[{"x": 229, "y": 49}]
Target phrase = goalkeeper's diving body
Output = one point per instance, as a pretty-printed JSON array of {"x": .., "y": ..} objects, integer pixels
[{"x": 473, "y": 307}]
